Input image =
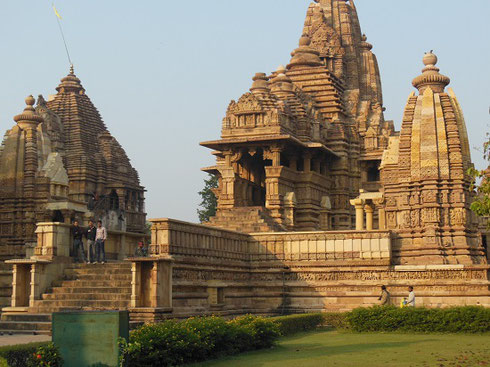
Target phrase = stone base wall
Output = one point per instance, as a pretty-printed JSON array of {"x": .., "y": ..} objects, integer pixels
[
  {"x": 294, "y": 287},
  {"x": 228, "y": 273}
]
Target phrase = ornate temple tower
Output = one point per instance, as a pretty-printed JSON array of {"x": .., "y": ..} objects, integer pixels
[
  {"x": 95, "y": 162},
  {"x": 58, "y": 163},
  {"x": 327, "y": 105},
  {"x": 425, "y": 181}
]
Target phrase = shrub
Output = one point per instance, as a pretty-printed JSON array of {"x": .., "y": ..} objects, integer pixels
[
  {"x": 337, "y": 320},
  {"x": 19, "y": 355},
  {"x": 469, "y": 319},
  {"x": 264, "y": 332},
  {"x": 297, "y": 323},
  {"x": 46, "y": 356},
  {"x": 173, "y": 343}
]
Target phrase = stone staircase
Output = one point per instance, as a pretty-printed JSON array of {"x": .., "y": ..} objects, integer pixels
[
  {"x": 84, "y": 287},
  {"x": 246, "y": 220}
]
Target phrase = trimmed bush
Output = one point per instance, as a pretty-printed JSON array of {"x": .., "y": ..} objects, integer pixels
[
  {"x": 46, "y": 356},
  {"x": 173, "y": 343},
  {"x": 337, "y": 320},
  {"x": 291, "y": 324},
  {"x": 469, "y": 319},
  {"x": 19, "y": 355}
]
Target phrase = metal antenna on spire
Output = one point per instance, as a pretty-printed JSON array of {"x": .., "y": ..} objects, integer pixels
[{"x": 58, "y": 18}]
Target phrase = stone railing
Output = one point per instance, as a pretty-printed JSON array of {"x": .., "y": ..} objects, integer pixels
[
  {"x": 53, "y": 239},
  {"x": 321, "y": 246},
  {"x": 171, "y": 237}
]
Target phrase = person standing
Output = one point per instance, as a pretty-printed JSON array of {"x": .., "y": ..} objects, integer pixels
[
  {"x": 77, "y": 233},
  {"x": 384, "y": 299},
  {"x": 91, "y": 233},
  {"x": 100, "y": 238},
  {"x": 410, "y": 302}
]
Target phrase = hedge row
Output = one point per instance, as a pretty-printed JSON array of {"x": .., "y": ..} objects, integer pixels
[
  {"x": 469, "y": 319},
  {"x": 173, "y": 343},
  {"x": 30, "y": 355},
  {"x": 296, "y": 323}
]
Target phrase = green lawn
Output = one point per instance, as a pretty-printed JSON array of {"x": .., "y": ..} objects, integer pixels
[{"x": 332, "y": 348}]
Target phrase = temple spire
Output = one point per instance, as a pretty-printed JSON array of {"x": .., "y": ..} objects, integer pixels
[{"x": 430, "y": 76}]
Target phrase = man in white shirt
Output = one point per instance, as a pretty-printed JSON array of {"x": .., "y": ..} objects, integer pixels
[
  {"x": 411, "y": 298},
  {"x": 100, "y": 238}
]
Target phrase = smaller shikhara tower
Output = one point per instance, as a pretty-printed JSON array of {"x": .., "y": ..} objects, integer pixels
[
  {"x": 59, "y": 163},
  {"x": 425, "y": 181},
  {"x": 301, "y": 144}
]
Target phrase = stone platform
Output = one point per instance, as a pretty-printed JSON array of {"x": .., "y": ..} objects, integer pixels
[{"x": 199, "y": 270}]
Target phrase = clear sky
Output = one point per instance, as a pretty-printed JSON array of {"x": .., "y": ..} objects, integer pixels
[{"x": 162, "y": 72}]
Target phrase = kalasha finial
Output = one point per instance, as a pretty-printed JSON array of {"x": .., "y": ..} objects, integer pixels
[
  {"x": 430, "y": 59},
  {"x": 260, "y": 84},
  {"x": 28, "y": 117},
  {"x": 281, "y": 69},
  {"x": 430, "y": 75},
  {"x": 305, "y": 40},
  {"x": 72, "y": 70},
  {"x": 30, "y": 100}
]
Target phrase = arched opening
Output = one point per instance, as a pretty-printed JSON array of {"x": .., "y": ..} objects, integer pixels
[
  {"x": 113, "y": 200},
  {"x": 57, "y": 217},
  {"x": 373, "y": 174}
]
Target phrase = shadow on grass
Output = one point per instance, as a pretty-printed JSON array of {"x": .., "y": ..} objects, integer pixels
[{"x": 293, "y": 348}]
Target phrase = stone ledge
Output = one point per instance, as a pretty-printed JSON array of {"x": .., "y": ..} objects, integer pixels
[
  {"x": 150, "y": 310},
  {"x": 429, "y": 267}
]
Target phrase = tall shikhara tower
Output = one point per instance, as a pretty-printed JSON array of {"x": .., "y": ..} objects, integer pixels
[
  {"x": 298, "y": 147},
  {"x": 59, "y": 162},
  {"x": 425, "y": 180}
]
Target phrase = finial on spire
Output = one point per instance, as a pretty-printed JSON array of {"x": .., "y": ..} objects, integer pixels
[
  {"x": 430, "y": 58},
  {"x": 28, "y": 117},
  {"x": 260, "y": 84},
  {"x": 430, "y": 75},
  {"x": 72, "y": 69}
]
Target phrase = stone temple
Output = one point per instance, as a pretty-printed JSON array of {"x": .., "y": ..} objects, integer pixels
[
  {"x": 59, "y": 163},
  {"x": 320, "y": 200}
]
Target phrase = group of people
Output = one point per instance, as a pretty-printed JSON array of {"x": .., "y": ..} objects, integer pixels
[
  {"x": 96, "y": 237},
  {"x": 385, "y": 298}
]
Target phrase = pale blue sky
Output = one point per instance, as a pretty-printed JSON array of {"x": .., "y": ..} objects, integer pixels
[{"x": 163, "y": 72}]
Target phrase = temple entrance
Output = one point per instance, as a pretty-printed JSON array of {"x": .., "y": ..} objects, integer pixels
[{"x": 251, "y": 168}]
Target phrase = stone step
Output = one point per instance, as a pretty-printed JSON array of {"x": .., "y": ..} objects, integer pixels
[
  {"x": 25, "y": 326},
  {"x": 91, "y": 290},
  {"x": 97, "y": 270},
  {"x": 25, "y": 332},
  {"x": 27, "y": 317},
  {"x": 92, "y": 283},
  {"x": 107, "y": 266},
  {"x": 87, "y": 296},
  {"x": 105, "y": 277},
  {"x": 52, "y": 309},
  {"x": 80, "y": 304}
]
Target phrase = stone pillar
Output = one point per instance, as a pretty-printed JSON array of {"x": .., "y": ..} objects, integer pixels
[
  {"x": 276, "y": 156},
  {"x": 307, "y": 162},
  {"x": 359, "y": 205},
  {"x": 151, "y": 285},
  {"x": 325, "y": 210},
  {"x": 369, "y": 217},
  {"x": 289, "y": 209}
]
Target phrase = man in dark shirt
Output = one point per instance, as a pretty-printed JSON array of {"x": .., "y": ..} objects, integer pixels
[
  {"x": 90, "y": 234},
  {"x": 77, "y": 233}
]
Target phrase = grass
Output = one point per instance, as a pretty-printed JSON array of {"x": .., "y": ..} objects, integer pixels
[{"x": 342, "y": 349}]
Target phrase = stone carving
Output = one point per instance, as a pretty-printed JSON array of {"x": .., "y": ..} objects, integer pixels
[{"x": 458, "y": 216}]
